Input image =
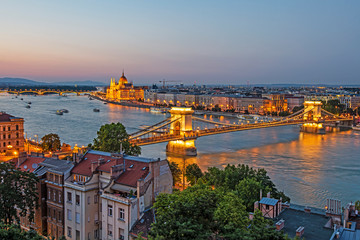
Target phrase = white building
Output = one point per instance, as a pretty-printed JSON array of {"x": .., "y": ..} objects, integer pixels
[{"x": 107, "y": 194}]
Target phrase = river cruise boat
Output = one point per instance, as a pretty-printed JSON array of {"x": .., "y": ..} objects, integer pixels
[
  {"x": 158, "y": 110},
  {"x": 356, "y": 128}
]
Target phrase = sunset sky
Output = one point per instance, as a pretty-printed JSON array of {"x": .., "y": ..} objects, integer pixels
[{"x": 228, "y": 42}]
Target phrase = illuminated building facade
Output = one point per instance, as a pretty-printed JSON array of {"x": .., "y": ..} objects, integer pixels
[
  {"x": 123, "y": 90},
  {"x": 11, "y": 133}
]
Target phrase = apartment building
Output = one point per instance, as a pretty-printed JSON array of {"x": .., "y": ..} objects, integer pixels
[
  {"x": 11, "y": 133},
  {"x": 107, "y": 194}
]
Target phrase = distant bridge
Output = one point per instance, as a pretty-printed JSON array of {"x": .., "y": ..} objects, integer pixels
[
  {"x": 45, "y": 91},
  {"x": 181, "y": 129}
]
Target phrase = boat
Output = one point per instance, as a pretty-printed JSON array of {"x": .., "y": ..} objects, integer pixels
[
  {"x": 356, "y": 128},
  {"x": 29, "y": 103},
  {"x": 21, "y": 99},
  {"x": 28, "y": 106},
  {"x": 64, "y": 110},
  {"x": 158, "y": 110},
  {"x": 59, "y": 112},
  {"x": 105, "y": 102},
  {"x": 96, "y": 110},
  {"x": 245, "y": 117}
]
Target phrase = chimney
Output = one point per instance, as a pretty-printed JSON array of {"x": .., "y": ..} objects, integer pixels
[
  {"x": 300, "y": 231},
  {"x": 94, "y": 165},
  {"x": 268, "y": 195},
  {"x": 22, "y": 158},
  {"x": 101, "y": 161},
  {"x": 256, "y": 205},
  {"x": 116, "y": 170},
  {"x": 280, "y": 225}
]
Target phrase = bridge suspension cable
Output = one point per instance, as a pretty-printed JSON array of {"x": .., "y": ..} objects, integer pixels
[
  {"x": 147, "y": 128},
  {"x": 153, "y": 128}
]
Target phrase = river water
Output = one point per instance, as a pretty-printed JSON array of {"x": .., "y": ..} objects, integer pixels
[{"x": 309, "y": 168}]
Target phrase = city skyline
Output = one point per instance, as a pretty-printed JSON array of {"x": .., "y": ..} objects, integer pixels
[{"x": 206, "y": 42}]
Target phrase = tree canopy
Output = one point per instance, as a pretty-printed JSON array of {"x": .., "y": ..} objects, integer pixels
[
  {"x": 50, "y": 142},
  {"x": 216, "y": 207},
  {"x": 193, "y": 173},
  {"x": 14, "y": 232},
  {"x": 17, "y": 192},
  {"x": 112, "y": 137}
]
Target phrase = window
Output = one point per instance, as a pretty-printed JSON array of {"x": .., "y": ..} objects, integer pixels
[
  {"x": 60, "y": 216},
  {"x": 49, "y": 194},
  {"x": 56, "y": 179},
  {"x": 17, "y": 135},
  {"x": 77, "y": 235},
  {"x": 54, "y": 215},
  {"x": 8, "y": 128},
  {"x": 69, "y": 197},
  {"x": 96, "y": 199},
  {"x": 69, "y": 232},
  {"x": 17, "y": 143},
  {"x": 110, "y": 210},
  {"x": 96, "y": 234},
  {"x": 4, "y": 137},
  {"x": 89, "y": 236},
  {"x": 89, "y": 200},
  {"x": 77, "y": 217},
  {"x": 121, "y": 233},
  {"x": 69, "y": 216},
  {"x": 267, "y": 207},
  {"x": 110, "y": 232},
  {"x": 77, "y": 199},
  {"x": 121, "y": 213},
  {"x": 60, "y": 196},
  {"x": 9, "y": 137},
  {"x": 54, "y": 196},
  {"x": 88, "y": 218},
  {"x": 4, "y": 128},
  {"x": 17, "y": 127}
]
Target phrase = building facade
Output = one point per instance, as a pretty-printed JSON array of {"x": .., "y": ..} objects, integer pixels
[
  {"x": 11, "y": 134},
  {"x": 106, "y": 194},
  {"x": 123, "y": 90}
]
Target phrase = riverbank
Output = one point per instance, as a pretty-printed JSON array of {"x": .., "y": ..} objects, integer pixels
[{"x": 127, "y": 103}]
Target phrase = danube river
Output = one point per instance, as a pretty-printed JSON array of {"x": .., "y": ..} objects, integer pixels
[{"x": 309, "y": 168}]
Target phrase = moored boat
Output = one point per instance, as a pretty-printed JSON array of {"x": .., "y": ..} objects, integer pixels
[
  {"x": 356, "y": 128},
  {"x": 96, "y": 110},
  {"x": 59, "y": 112},
  {"x": 158, "y": 110}
]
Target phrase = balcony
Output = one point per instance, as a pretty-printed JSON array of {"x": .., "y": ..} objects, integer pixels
[{"x": 118, "y": 198}]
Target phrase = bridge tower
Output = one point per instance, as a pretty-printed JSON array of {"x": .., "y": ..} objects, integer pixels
[
  {"x": 312, "y": 110},
  {"x": 182, "y": 125}
]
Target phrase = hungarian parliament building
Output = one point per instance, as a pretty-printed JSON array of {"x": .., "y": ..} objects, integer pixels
[{"x": 123, "y": 90}]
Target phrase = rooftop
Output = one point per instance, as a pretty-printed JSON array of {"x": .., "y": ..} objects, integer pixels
[
  {"x": 54, "y": 165},
  {"x": 268, "y": 201},
  {"x": 4, "y": 117},
  {"x": 143, "y": 224},
  {"x": 312, "y": 222}
]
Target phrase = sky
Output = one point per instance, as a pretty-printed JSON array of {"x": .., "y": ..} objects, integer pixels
[{"x": 203, "y": 41}]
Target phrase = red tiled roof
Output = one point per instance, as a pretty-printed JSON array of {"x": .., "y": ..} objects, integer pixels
[
  {"x": 84, "y": 167},
  {"x": 30, "y": 164},
  {"x": 129, "y": 177},
  {"x": 4, "y": 117}
]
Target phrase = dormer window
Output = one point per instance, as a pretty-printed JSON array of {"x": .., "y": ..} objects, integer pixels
[{"x": 80, "y": 178}]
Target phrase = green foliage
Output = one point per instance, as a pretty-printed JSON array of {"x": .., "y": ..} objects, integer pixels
[
  {"x": 17, "y": 189},
  {"x": 193, "y": 173},
  {"x": 51, "y": 142},
  {"x": 248, "y": 189},
  {"x": 13, "y": 232},
  {"x": 357, "y": 205},
  {"x": 229, "y": 178},
  {"x": 297, "y": 108},
  {"x": 334, "y": 106},
  {"x": 111, "y": 137},
  {"x": 175, "y": 171},
  {"x": 185, "y": 215}
]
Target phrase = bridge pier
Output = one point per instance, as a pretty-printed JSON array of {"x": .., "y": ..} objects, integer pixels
[
  {"x": 182, "y": 125},
  {"x": 183, "y": 147}
]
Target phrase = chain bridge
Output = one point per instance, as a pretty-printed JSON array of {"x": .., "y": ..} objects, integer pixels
[
  {"x": 45, "y": 91},
  {"x": 181, "y": 129}
]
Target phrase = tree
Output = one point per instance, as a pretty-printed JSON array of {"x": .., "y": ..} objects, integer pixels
[
  {"x": 232, "y": 216},
  {"x": 17, "y": 191},
  {"x": 112, "y": 137},
  {"x": 14, "y": 232},
  {"x": 193, "y": 173},
  {"x": 248, "y": 190},
  {"x": 175, "y": 171},
  {"x": 51, "y": 142}
]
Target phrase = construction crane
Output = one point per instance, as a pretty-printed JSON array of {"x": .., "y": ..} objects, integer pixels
[{"x": 166, "y": 81}]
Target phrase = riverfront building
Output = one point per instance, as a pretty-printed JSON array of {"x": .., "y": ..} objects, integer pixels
[
  {"x": 11, "y": 134},
  {"x": 123, "y": 90},
  {"x": 107, "y": 194}
]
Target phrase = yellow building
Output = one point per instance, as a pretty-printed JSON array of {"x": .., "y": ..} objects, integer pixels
[{"x": 123, "y": 90}]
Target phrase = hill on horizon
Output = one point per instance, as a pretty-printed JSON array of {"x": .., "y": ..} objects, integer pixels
[{"x": 14, "y": 82}]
